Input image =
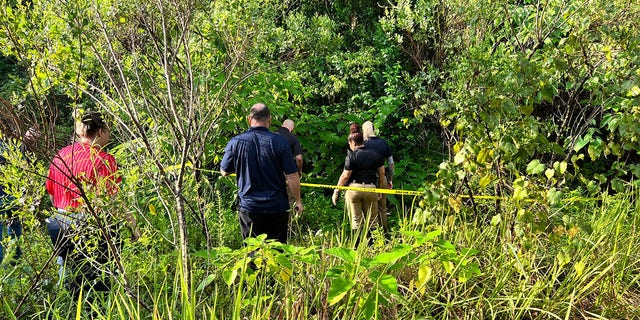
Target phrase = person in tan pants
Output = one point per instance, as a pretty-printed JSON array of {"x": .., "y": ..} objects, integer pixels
[{"x": 363, "y": 169}]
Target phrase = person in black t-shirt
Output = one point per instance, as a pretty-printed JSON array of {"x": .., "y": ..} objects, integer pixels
[
  {"x": 363, "y": 168},
  {"x": 286, "y": 130},
  {"x": 384, "y": 150}
]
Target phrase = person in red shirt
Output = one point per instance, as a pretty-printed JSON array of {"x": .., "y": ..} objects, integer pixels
[{"x": 77, "y": 172}]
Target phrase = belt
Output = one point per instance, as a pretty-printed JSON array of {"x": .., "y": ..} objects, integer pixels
[{"x": 364, "y": 184}]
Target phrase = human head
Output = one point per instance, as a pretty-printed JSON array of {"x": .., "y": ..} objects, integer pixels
[
  {"x": 93, "y": 127},
  {"x": 289, "y": 124},
  {"x": 367, "y": 130},
  {"x": 355, "y": 140},
  {"x": 354, "y": 128},
  {"x": 259, "y": 115}
]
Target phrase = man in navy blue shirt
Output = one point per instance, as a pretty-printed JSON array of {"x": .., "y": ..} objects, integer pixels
[{"x": 263, "y": 164}]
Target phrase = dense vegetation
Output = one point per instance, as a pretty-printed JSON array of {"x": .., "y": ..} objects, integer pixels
[{"x": 516, "y": 119}]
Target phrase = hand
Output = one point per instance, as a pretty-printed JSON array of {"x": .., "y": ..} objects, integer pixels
[
  {"x": 299, "y": 208},
  {"x": 379, "y": 196},
  {"x": 390, "y": 185},
  {"x": 336, "y": 195}
]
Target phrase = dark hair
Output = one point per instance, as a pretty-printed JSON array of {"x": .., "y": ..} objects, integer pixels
[
  {"x": 354, "y": 128},
  {"x": 260, "y": 112},
  {"x": 356, "y": 137},
  {"x": 92, "y": 122}
]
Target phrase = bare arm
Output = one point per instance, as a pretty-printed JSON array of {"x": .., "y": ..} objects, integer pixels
[
  {"x": 390, "y": 173},
  {"x": 382, "y": 179},
  {"x": 293, "y": 181},
  {"x": 299, "y": 164},
  {"x": 344, "y": 178}
]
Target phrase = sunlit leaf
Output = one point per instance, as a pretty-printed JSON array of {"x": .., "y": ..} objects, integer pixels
[
  {"x": 345, "y": 254},
  {"x": 396, "y": 253},
  {"x": 338, "y": 289},
  {"x": 389, "y": 284},
  {"x": 535, "y": 167}
]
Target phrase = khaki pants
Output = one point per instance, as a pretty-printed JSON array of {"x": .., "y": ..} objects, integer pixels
[{"x": 362, "y": 206}]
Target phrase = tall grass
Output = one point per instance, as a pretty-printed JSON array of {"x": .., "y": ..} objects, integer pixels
[{"x": 583, "y": 265}]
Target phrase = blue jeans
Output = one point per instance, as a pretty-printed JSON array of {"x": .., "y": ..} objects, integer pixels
[{"x": 14, "y": 230}]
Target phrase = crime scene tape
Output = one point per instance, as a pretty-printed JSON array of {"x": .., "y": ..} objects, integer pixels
[
  {"x": 376, "y": 190},
  {"x": 326, "y": 186},
  {"x": 391, "y": 191}
]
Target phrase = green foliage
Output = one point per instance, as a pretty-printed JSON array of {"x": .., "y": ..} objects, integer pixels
[{"x": 506, "y": 115}]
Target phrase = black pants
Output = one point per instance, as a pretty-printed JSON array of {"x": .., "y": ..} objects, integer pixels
[{"x": 274, "y": 225}]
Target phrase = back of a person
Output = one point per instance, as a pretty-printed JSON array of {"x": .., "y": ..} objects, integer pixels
[
  {"x": 262, "y": 161},
  {"x": 364, "y": 163},
  {"x": 379, "y": 145},
  {"x": 261, "y": 183},
  {"x": 90, "y": 165},
  {"x": 291, "y": 139}
]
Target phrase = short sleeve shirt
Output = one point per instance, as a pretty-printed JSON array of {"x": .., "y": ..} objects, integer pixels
[
  {"x": 260, "y": 159},
  {"x": 363, "y": 163},
  {"x": 91, "y": 165},
  {"x": 292, "y": 140},
  {"x": 380, "y": 146}
]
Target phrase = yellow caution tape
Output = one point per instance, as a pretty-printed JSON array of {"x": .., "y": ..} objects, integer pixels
[
  {"x": 392, "y": 191},
  {"x": 376, "y": 190}
]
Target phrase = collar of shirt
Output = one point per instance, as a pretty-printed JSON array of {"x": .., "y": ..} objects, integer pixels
[{"x": 260, "y": 128}]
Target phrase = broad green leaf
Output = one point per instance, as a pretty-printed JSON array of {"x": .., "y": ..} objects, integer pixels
[
  {"x": 460, "y": 157},
  {"x": 549, "y": 173},
  {"x": 581, "y": 142},
  {"x": 205, "y": 282},
  {"x": 468, "y": 272},
  {"x": 563, "y": 258},
  {"x": 535, "y": 167},
  {"x": 634, "y": 92},
  {"x": 339, "y": 288},
  {"x": 368, "y": 305},
  {"x": 229, "y": 276},
  {"x": 285, "y": 274},
  {"x": 554, "y": 196},
  {"x": 392, "y": 256},
  {"x": 560, "y": 167},
  {"x": 447, "y": 245},
  {"x": 468, "y": 252},
  {"x": 520, "y": 192},
  {"x": 484, "y": 155},
  {"x": 345, "y": 254},
  {"x": 422, "y": 238},
  {"x": 389, "y": 284},
  {"x": 448, "y": 266}
]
